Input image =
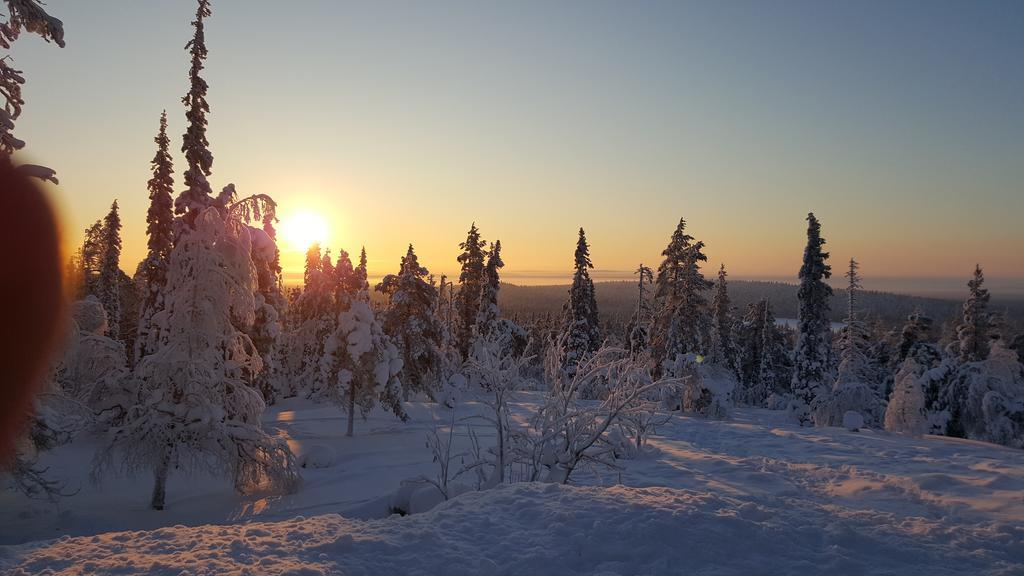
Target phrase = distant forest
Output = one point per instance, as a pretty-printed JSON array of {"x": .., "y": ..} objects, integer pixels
[{"x": 617, "y": 300}]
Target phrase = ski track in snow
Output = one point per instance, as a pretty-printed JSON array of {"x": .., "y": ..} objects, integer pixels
[{"x": 751, "y": 495}]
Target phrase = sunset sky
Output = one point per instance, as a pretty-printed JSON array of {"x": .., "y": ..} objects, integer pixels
[{"x": 901, "y": 125}]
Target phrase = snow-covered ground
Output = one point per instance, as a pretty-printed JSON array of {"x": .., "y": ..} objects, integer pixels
[{"x": 752, "y": 495}]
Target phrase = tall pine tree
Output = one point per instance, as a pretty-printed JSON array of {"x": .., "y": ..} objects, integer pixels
[
  {"x": 197, "y": 193},
  {"x": 471, "y": 281},
  {"x": 852, "y": 390},
  {"x": 488, "y": 314},
  {"x": 636, "y": 331},
  {"x": 160, "y": 230},
  {"x": 973, "y": 331},
  {"x": 411, "y": 323},
  {"x": 722, "y": 349},
  {"x": 682, "y": 320},
  {"x": 813, "y": 357},
  {"x": 581, "y": 329},
  {"x": 110, "y": 272}
]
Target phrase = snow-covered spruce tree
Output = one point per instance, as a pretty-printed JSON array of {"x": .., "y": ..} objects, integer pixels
[
  {"x": 985, "y": 398},
  {"x": 315, "y": 315},
  {"x": 852, "y": 390},
  {"x": 813, "y": 357},
  {"x": 197, "y": 410},
  {"x": 972, "y": 333},
  {"x": 94, "y": 369},
  {"x": 270, "y": 303},
  {"x": 361, "y": 364},
  {"x": 471, "y": 281},
  {"x": 721, "y": 350},
  {"x": 773, "y": 369},
  {"x": 110, "y": 272},
  {"x": 906, "y": 409},
  {"x": 919, "y": 329},
  {"x": 198, "y": 158},
  {"x": 581, "y": 330},
  {"x": 488, "y": 313},
  {"x": 636, "y": 330},
  {"x": 91, "y": 260},
  {"x": 152, "y": 274},
  {"x": 414, "y": 328},
  {"x": 490, "y": 326},
  {"x": 30, "y": 16},
  {"x": 682, "y": 320}
]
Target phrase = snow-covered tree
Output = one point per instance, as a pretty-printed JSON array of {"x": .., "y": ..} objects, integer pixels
[
  {"x": 411, "y": 323},
  {"x": 471, "y": 282},
  {"x": 93, "y": 369},
  {"x": 701, "y": 388},
  {"x": 498, "y": 371},
  {"x": 722, "y": 350},
  {"x": 198, "y": 158},
  {"x": 813, "y": 357},
  {"x": 985, "y": 398},
  {"x": 852, "y": 390},
  {"x": 160, "y": 231},
  {"x": 774, "y": 369},
  {"x": 315, "y": 313},
  {"x": 361, "y": 365},
  {"x": 581, "y": 330},
  {"x": 110, "y": 272},
  {"x": 973, "y": 331},
  {"x": 91, "y": 259},
  {"x": 488, "y": 314},
  {"x": 906, "y": 409},
  {"x": 269, "y": 301},
  {"x": 27, "y": 15},
  {"x": 762, "y": 360},
  {"x": 918, "y": 329},
  {"x": 680, "y": 325},
  {"x": 197, "y": 409},
  {"x": 636, "y": 330}
]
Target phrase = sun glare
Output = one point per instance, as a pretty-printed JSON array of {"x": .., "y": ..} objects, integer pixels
[{"x": 302, "y": 229}]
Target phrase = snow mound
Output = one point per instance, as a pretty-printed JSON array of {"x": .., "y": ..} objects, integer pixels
[
  {"x": 318, "y": 456},
  {"x": 533, "y": 528},
  {"x": 853, "y": 420}
]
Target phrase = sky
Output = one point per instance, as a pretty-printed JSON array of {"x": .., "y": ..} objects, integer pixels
[{"x": 900, "y": 124}]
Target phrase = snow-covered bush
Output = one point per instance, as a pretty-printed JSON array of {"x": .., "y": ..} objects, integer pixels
[
  {"x": 566, "y": 433},
  {"x": 702, "y": 389},
  {"x": 318, "y": 456}
]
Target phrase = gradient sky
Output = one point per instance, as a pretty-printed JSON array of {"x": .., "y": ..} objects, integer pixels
[{"x": 901, "y": 124}]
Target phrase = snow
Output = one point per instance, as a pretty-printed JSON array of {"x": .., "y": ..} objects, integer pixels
[{"x": 754, "y": 494}]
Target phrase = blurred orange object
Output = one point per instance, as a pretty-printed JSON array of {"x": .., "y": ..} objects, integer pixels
[{"x": 31, "y": 296}]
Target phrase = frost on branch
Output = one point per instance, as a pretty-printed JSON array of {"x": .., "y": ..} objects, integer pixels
[{"x": 22, "y": 15}]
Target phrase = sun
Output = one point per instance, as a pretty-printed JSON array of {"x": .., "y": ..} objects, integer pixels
[{"x": 300, "y": 230}]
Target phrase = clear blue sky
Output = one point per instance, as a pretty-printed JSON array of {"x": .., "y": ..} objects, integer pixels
[{"x": 901, "y": 124}]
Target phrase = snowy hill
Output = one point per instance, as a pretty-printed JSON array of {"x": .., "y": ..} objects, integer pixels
[{"x": 752, "y": 495}]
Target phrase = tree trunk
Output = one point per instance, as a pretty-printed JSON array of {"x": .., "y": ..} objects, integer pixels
[
  {"x": 160, "y": 483},
  {"x": 351, "y": 406}
]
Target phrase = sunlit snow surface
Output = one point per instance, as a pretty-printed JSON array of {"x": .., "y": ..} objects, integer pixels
[{"x": 753, "y": 495}]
